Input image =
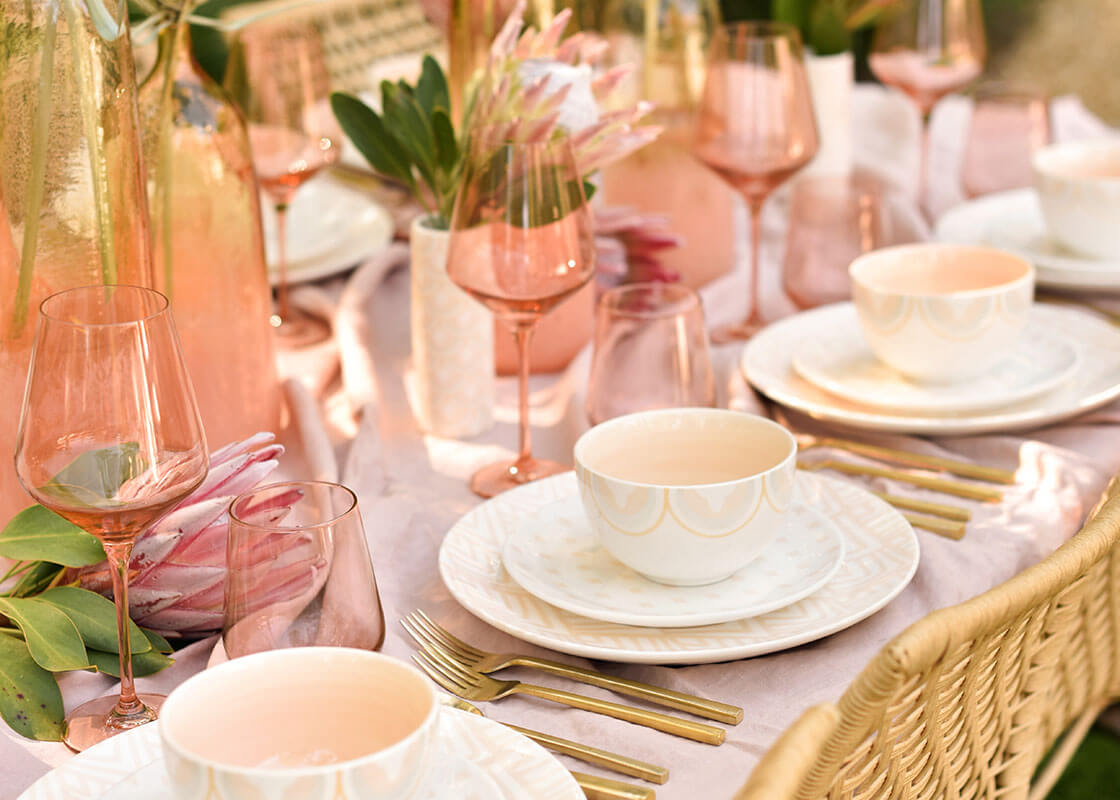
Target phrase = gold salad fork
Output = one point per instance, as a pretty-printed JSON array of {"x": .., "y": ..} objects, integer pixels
[
  {"x": 426, "y": 631},
  {"x": 474, "y": 686},
  {"x": 592, "y": 755}
]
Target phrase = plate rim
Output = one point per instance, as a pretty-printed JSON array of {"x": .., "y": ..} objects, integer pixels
[
  {"x": 1048, "y": 384},
  {"x": 695, "y": 620},
  {"x": 151, "y": 751},
  {"x": 882, "y": 422},
  {"x": 698, "y": 656}
]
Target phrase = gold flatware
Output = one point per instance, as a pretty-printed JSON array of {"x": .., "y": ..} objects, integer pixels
[
  {"x": 926, "y": 507},
  {"x": 424, "y": 629},
  {"x": 961, "y": 469},
  {"x": 591, "y": 755},
  {"x": 942, "y": 527},
  {"x": 475, "y": 686},
  {"x": 596, "y": 788},
  {"x": 943, "y": 485}
]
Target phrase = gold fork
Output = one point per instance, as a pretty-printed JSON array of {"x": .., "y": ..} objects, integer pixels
[
  {"x": 477, "y": 687},
  {"x": 592, "y": 755},
  {"x": 424, "y": 630}
]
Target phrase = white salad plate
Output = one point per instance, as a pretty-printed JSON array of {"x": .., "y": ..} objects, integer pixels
[
  {"x": 880, "y": 557},
  {"x": 554, "y": 555},
  {"x": 474, "y": 759},
  {"x": 842, "y": 363},
  {"x": 767, "y": 363},
  {"x": 1013, "y": 221},
  {"x": 332, "y": 227}
]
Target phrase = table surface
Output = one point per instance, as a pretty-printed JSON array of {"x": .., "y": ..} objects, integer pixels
[{"x": 412, "y": 489}]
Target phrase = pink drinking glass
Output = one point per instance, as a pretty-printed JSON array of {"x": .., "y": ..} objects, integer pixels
[
  {"x": 1009, "y": 123},
  {"x": 832, "y": 220},
  {"x": 651, "y": 351},
  {"x": 755, "y": 127},
  {"x": 299, "y": 571}
]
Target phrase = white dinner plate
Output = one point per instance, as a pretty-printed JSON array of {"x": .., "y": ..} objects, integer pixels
[
  {"x": 842, "y": 363},
  {"x": 1013, "y": 221},
  {"x": 555, "y": 555},
  {"x": 767, "y": 362},
  {"x": 880, "y": 557},
  {"x": 332, "y": 227},
  {"x": 474, "y": 759}
]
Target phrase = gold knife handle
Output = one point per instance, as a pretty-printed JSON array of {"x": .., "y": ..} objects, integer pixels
[
  {"x": 943, "y": 485},
  {"x": 942, "y": 527},
  {"x": 922, "y": 461},
  {"x": 600, "y": 758},
  {"x": 596, "y": 788},
  {"x": 926, "y": 507},
  {"x": 709, "y": 709},
  {"x": 697, "y": 731}
]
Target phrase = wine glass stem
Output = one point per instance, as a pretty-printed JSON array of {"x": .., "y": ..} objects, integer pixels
[
  {"x": 754, "y": 211},
  {"x": 523, "y": 333},
  {"x": 282, "y": 256},
  {"x": 119, "y": 554}
]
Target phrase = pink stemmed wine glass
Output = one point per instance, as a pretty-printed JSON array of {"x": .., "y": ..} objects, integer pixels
[
  {"x": 1009, "y": 123},
  {"x": 278, "y": 78},
  {"x": 755, "y": 127},
  {"x": 521, "y": 244},
  {"x": 110, "y": 439}
]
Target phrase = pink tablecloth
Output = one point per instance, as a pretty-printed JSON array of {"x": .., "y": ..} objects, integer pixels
[{"x": 413, "y": 488}]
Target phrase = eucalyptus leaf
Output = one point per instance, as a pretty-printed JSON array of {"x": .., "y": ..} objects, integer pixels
[
  {"x": 97, "y": 474},
  {"x": 143, "y": 664},
  {"x": 30, "y": 701},
  {"x": 95, "y": 618},
  {"x": 366, "y": 130},
  {"x": 159, "y": 644},
  {"x": 39, "y": 534},
  {"x": 37, "y": 578},
  {"x": 52, "y": 638}
]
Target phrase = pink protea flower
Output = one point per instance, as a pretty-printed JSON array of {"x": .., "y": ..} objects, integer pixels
[
  {"x": 178, "y": 569},
  {"x": 628, "y": 245}
]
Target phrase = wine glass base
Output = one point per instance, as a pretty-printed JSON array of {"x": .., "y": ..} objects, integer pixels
[
  {"x": 738, "y": 332},
  {"x": 503, "y": 476},
  {"x": 95, "y": 721},
  {"x": 299, "y": 329}
]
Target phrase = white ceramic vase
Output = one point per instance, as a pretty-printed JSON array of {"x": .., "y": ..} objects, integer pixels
[
  {"x": 452, "y": 343},
  {"x": 830, "y": 80}
]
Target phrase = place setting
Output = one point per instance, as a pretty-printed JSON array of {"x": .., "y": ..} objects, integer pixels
[
  {"x": 683, "y": 536},
  {"x": 939, "y": 339}
]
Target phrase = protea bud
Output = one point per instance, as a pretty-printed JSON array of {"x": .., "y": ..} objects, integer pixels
[{"x": 178, "y": 568}]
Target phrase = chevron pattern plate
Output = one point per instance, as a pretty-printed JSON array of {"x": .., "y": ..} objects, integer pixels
[
  {"x": 477, "y": 759},
  {"x": 881, "y": 556}
]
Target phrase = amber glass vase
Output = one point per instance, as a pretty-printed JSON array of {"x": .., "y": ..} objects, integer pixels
[
  {"x": 72, "y": 205},
  {"x": 208, "y": 248}
]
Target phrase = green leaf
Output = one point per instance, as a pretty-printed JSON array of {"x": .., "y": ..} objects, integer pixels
[
  {"x": 431, "y": 90},
  {"x": 95, "y": 476},
  {"x": 406, "y": 122},
  {"x": 793, "y": 12},
  {"x": 447, "y": 150},
  {"x": 37, "y": 578},
  {"x": 95, "y": 618},
  {"x": 143, "y": 664},
  {"x": 827, "y": 32},
  {"x": 51, "y": 636},
  {"x": 159, "y": 644},
  {"x": 366, "y": 130},
  {"x": 30, "y": 701},
  {"x": 38, "y": 534}
]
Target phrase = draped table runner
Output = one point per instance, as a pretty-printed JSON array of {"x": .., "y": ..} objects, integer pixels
[{"x": 355, "y": 424}]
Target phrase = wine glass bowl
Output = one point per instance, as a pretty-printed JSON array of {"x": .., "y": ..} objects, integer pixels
[
  {"x": 521, "y": 244},
  {"x": 1009, "y": 123},
  {"x": 755, "y": 126},
  {"x": 111, "y": 440},
  {"x": 277, "y": 75}
]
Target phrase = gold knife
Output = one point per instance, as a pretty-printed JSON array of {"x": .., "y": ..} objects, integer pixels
[{"x": 596, "y": 788}]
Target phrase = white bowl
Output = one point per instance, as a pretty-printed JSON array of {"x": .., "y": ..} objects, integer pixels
[
  {"x": 686, "y": 496},
  {"x": 1078, "y": 186},
  {"x": 304, "y": 723},
  {"x": 941, "y": 312}
]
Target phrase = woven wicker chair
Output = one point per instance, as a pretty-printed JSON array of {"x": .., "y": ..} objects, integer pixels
[{"x": 966, "y": 702}]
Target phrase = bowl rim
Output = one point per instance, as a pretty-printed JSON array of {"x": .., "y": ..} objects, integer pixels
[
  {"x": 727, "y": 413},
  {"x": 1042, "y": 161},
  {"x": 859, "y": 264},
  {"x": 247, "y": 662}
]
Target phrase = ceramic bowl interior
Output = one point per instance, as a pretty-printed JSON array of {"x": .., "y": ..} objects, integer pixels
[
  {"x": 933, "y": 270},
  {"x": 1093, "y": 162}
]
